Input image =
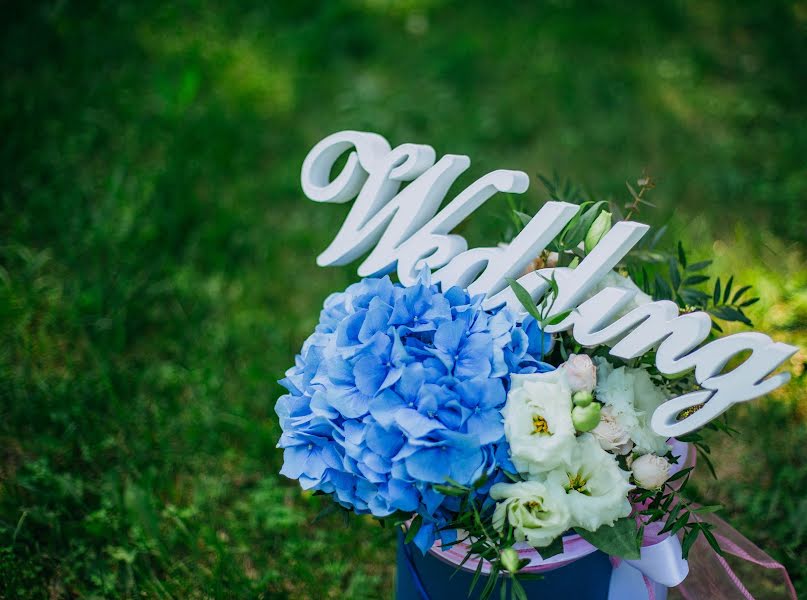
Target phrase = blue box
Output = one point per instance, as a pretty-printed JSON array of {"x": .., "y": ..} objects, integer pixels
[{"x": 427, "y": 577}]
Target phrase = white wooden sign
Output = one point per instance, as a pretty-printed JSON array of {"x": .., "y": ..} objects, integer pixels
[{"x": 403, "y": 230}]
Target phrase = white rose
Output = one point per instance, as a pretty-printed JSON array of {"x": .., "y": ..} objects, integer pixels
[
  {"x": 536, "y": 510},
  {"x": 632, "y": 398},
  {"x": 596, "y": 488},
  {"x": 538, "y": 421},
  {"x": 610, "y": 434},
  {"x": 580, "y": 373},
  {"x": 651, "y": 471}
]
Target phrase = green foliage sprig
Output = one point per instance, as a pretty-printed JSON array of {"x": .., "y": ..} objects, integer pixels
[
  {"x": 489, "y": 544},
  {"x": 623, "y": 539},
  {"x": 661, "y": 274},
  {"x": 543, "y": 312},
  {"x": 684, "y": 283},
  {"x": 668, "y": 504}
]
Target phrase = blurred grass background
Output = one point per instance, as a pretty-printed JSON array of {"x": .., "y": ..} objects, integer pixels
[{"x": 157, "y": 255}]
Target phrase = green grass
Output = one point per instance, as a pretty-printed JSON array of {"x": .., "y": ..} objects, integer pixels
[{"x": 157, "y": 266}]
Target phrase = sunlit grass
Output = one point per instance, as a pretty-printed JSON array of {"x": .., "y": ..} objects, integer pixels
[
  {"x": 245, "y": 73},
  {"x": 157, "y": 256}
]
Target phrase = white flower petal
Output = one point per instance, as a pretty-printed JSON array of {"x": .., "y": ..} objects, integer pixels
[
  {"x": 603, "y": 494},
  {"x": 537, "y": 510},
  {"x": 534, "y": 397},
  {"x": 631, "y": 397}
]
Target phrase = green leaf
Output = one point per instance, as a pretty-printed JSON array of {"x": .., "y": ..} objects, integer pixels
[
  {"x": 518, "y": 590},
  {"x": 475, "y": 580},
  {"x": 689, "y": 539},
  {"x": 716, "y": 294},
  {"x": 457, "y": 484},
  {"x": 679, "y": 523},
  {"x": 657, "y": 237},
  {"x": 680, "y": 474},
  {"x": 727, "y": 292},
  {"x": 491, "y": 582},
  {"x": 512, "y": 476},
  {"x": 552, "y": 549},
  {"x": 682, "y": 257},
  {"x": 449, "y": 490},
  {"x": 480, "y": 482},
  {"x": 696, "y": 279},
  {"x": 699, "y": 266},
  {"x": 708, "y": 509},
  {"x": 749, "y": 302},
  {"x": 738, "y": 294},
  {"x": 530, "y": 577},
  {"x": 523, "y": 217},
  {"x": 618, "y": 540},
  {"x": 712, "y": 541},
  {"x": 414, "y": 527},
  {"x": 524, "y": 297},
  {"x": 671, "y": 516},
  {"x": 675, "y": 275},
  {"x": 663, "y": 291},
  {"x": 705, "y": 458},
  {"x": 558, "y": 318},
  {"x": 694, "y": 297},
  {"x": 729, "y": 313}
]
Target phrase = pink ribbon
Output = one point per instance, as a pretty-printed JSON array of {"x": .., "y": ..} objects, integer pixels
[{"x": 714, "y": 576}]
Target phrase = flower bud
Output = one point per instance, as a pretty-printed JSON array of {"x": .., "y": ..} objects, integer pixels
[
  {"x": 612, "y": 436},
  {"x": 510, "y": 560},
  {"x": 586, "y": 418},
  {"x": 598, "y": 229},
  {"x": 650, "y": 471},
  {"x": 582, "y": 398},
  {"x": 581, "y": 373}
]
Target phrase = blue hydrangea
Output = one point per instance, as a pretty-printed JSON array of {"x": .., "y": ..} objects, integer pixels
[{"x": 399, "y": 389}]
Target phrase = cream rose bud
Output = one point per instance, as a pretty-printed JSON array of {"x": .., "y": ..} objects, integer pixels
[
  {"x": 650, "y": 471},
  {"x": 537, "y": 511},
  {"x": 580, "y": 373},
  {"x": 632, "y": 398},
  {"x": 610, "y": 434}
]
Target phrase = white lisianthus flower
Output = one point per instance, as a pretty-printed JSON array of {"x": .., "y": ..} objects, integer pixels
[
  {"x": 631, "y": 398},
  {"x": 537, "y": 511},
  {"x": 596, "y": 488},
  {"x": 538, "y": 421},
  {"x": 611, "y": 436},
  {"x": 580, "y": 373},
  {"x": 650, "y": 471}
]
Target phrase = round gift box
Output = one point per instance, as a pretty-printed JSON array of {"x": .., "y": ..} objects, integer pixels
[
  {"x": 432, "y": 577},
  {"x": 580, "y": 572}
]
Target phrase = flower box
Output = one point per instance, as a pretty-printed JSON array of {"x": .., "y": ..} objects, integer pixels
[{"x": 436, "y": 575}]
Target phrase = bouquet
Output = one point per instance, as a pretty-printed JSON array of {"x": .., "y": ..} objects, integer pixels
[{"x": 489, "y": 402}]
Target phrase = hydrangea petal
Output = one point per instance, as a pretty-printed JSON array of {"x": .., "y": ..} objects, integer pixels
[{"x": 392, "y": 378}]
